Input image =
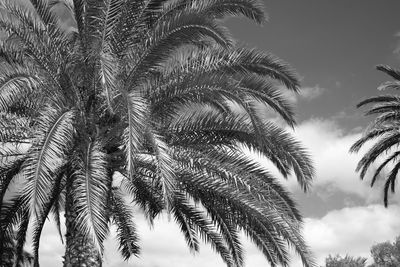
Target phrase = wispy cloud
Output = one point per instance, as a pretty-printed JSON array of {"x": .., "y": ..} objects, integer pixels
[
  {"x": 310, "y": 93},
  {"x": 306, "y": 93},
  {"x": 397, "y": 49}
]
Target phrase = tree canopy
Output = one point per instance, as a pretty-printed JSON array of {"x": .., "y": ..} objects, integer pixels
[{"x": 156, "y": 94}]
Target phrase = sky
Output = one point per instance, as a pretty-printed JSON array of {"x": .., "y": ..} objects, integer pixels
[{"x": 334, "y": 45}]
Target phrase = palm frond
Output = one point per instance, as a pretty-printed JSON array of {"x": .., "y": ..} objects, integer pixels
[
  {"x": 393, "y": 158},
  {"x": 239, "y": 61},
  {"x": 186, "y": 226},
  {"x": 378, "y": 99},
  {"x": 22, "y": 23},
  {"x": 240, "y": 172},
  {"x": 167, "y": 37},
  {"x": 252, "y": 9},
  {"x": 146, "y": 194},
  {"x": 126, "y": 230},
  {"x": 91, "y": 185},
  {"x": 271, "y": 141},
  {"x": 384, "y": 131},
  {"x": 41, "y": 219},
  {"x": 165, "y": 166},
  {"x": 390, "y": 183},
  {"x": 54, "y": 137},
  {"x": 14, "y": 84},
  {"x": 108, "y": 69},
  {"x": 368, "y": 136},
  {"x": 395, "y": 85},
  {"x": 135, "y": 108},
  {"x": 384, "y": 144},
  {"x": 202, "y": 225},
  {"x": 7, "y": 174},
  {"x": 389, "y": 71},
  {"x": 21, "y": 236}
]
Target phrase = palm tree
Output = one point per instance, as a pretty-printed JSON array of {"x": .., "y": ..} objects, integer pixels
[
  {"x": 384, "y": 129},
  {"x": 155, "y": 95}
]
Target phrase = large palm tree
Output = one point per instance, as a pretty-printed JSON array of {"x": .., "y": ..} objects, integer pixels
[
  {"x": 155, "y": 95},
  {"x": 385, "y": 130}
]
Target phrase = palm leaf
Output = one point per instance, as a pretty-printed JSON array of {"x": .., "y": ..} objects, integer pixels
[
  {"x": 135, "y": 108},
  {"x": 41, "y": 219},
  {"x": 54, "y": 136},
  {"x": 91, "y": 187},
  {"x": 389, "y": 71},
  {"x": 126, "y": 230}
]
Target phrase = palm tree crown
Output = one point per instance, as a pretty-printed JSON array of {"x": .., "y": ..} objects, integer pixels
[
  {"x": 154, "y": 94},
  {"x": 385, "y": 130}
]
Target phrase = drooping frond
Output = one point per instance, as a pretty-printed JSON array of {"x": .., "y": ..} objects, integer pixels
[
  {"x": 91, "y": 186},
  {"x": 217, "y": 87},
  {"x": 20, "y": 21},
  {"x": 145, "y": 192},
  {"x": 393, "y": 158},
  {"x": 390, "y": 183},
  {"x": 135, "y": 109},
  {"x": 15, "y": 83},
  {"x": 104, "y": 15},
  {"x": 195, "y": 222},
  {"x": 187, "y": 228},
  {"x": 239, "y": 171},
  {"x": 165, "y": 38},
  {"x": 41, "y": 219},
  {"x": 374, "y": 133},
  {"x": 165, "y": 166},
  {"x": 244, "y": 210},
  {"x": 277, "y": 145},
  {"x": 379, "y": 99},
  {"x": 239, "y": 61},
  {"x": 126, "y": 230},
  {"x": 383, "y": 130},
  {"x": 7, "y": 174},
  {"x": 395, "y": 74},
  {"x": 21, "y": 236},
  {"x": 54, "y": 136}
]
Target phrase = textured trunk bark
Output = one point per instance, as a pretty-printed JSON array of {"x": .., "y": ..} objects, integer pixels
[{"x": 79, "y": 251}]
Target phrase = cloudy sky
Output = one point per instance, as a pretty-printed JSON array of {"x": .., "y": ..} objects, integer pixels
[{"x": 334, "y": 45}]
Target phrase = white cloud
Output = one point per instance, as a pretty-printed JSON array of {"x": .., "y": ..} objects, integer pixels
[
  {"x": 352, "y": 230},
  {"x": 335, "y": 167},
  {"x": 309, "y": 93}
]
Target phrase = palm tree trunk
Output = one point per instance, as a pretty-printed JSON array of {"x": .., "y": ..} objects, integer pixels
[{"x": 79, "y": 252}]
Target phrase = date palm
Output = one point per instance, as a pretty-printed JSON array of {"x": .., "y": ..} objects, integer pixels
[
  {"x": 384, "y": 129},
  {"x": 153, "y": 94}
]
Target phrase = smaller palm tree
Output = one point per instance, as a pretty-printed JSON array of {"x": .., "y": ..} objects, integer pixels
[{"x": 385, "y": 130}]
